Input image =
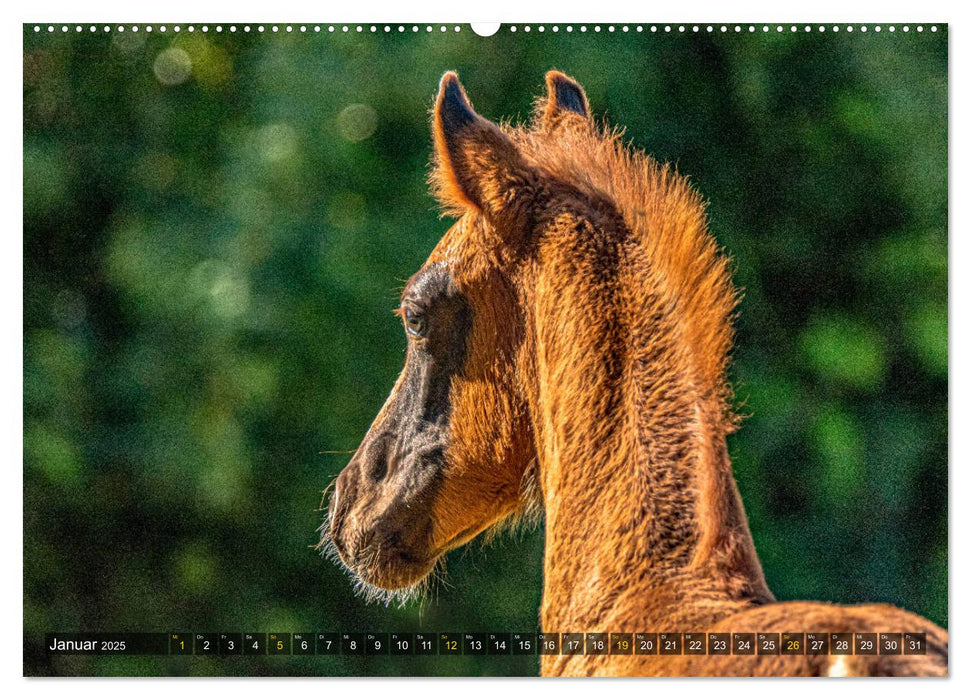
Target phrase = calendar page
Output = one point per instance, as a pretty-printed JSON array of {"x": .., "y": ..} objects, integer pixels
[{"x": 592, "y": 349}]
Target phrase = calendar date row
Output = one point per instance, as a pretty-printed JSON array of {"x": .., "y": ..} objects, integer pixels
[{"x": 490, "y": 643}]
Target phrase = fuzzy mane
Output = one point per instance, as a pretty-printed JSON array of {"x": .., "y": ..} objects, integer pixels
[{"x": 667, "y": 216}]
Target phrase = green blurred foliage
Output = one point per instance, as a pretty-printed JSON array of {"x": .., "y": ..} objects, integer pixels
[{"x": 216, "y": 228}]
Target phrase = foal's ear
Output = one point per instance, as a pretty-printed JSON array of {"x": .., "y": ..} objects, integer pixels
[
  {"x": 565, "y": 100},
  {"x": 477, "y": 166}
]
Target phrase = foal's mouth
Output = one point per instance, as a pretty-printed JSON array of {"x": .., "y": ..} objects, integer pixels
[
  {"x": 387, "y": 564},
  {"x": 392, "y": 566}
]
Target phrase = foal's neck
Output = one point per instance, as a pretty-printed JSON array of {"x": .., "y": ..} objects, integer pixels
[{"x": 644, "y": 523}]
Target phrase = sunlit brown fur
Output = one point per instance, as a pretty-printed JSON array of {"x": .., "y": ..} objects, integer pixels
[{"x": 594, "y": 389}]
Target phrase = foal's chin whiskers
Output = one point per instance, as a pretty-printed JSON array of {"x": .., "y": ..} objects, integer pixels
[
  {"x": 325, "y": 545},
  {"x": 323, "y": 498}
]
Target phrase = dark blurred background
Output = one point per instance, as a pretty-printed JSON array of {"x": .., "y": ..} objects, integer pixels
[{"x": 215, "y": 231}]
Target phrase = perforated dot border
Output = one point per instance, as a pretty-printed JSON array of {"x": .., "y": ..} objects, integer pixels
[
  {"x": 511, "y": 28},
  {"x": 250, "y": 28},
  {"x": 715, "y": 28}
]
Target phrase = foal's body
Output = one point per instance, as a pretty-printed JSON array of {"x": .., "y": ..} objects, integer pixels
[{"x": 569, "y": 343}]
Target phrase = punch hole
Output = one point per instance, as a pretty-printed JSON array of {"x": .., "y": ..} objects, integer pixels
[{"x": 486, "y": 28}]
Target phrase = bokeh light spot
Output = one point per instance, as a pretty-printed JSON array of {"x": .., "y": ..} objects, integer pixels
[
  {"x": 172, "y": 66},
  {"x": 357, "y": 122},
  {"x": 276, "y": 142}
]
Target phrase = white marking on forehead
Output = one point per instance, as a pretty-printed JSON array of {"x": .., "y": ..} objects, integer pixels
[{"x": 839, "y": 668}]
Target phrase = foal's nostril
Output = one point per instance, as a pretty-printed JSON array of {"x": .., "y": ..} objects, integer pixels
[{"x": 378, "y": 469}]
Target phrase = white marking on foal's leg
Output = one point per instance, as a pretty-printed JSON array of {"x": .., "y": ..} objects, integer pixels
[{"x": 839, "y": 668}]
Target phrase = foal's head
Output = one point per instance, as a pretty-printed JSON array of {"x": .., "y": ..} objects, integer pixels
[{"x": 450, "y": 453}]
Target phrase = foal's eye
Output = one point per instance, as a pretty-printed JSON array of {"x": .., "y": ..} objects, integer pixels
[{"x": 414, "y": 322}]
